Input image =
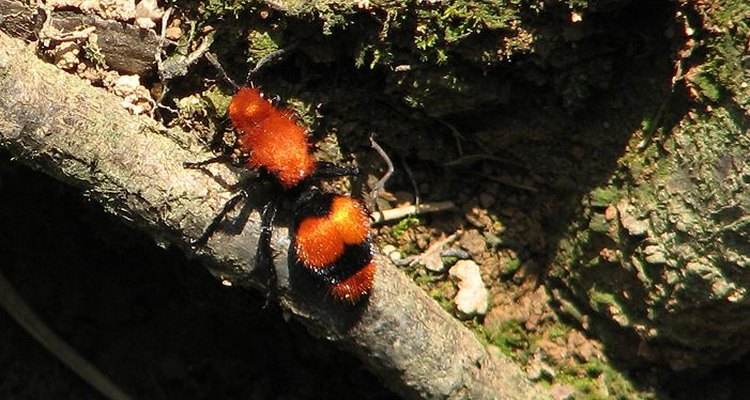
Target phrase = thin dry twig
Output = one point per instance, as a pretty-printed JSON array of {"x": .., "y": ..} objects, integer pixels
[
  {"x": 431, "y": 257},
  {"x": 30, "y": 321},
  {"x": 397, "y": 213}
]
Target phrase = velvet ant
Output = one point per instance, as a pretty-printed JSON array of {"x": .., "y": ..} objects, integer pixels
[{"x": 331, "y": 232}]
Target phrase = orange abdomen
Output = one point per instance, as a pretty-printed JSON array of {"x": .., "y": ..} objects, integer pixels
[{"x": 332, "y": 242}]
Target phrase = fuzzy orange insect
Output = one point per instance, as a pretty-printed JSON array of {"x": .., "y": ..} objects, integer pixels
[{"x": 332, "y": 232}]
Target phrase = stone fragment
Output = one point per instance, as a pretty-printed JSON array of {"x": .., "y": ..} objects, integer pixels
[{"x": 472, "y": 297}]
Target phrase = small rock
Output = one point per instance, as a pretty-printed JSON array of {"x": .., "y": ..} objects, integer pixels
[
  {"x": 538, "y": 369},
  {"x": 654, "y": 255},
  {"x": 391, "y": 251},
  {"x": 478, "y": 217},
  {"x": 534, "y": 372},
  {"x": 66, "y": 55},
  {"x": 147, "y": 14},
  {"x": 610, "y": 213},
  {"x": 473, "y": 242},
  {"x": 126, "y": 85},
  {"x": 431, "y": 258},
  {"x": 562, "y": 392},
  {"x": 136, "y": 98},
  {"x": 634, "y": 226},
  {"x": 581, "y": 347},
  {"x": 472, "y": 297},
  {"x": 173, "y": 33},
  {"x": 609, "y": 255}
]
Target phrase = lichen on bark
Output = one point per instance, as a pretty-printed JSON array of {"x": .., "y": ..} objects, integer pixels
[{"x": 661, "y": 251}]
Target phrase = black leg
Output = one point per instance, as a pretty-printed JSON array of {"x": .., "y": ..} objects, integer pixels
[
  {"x": 324, "y": 170},
  {"x": 211, "y": 228},
  {"x": 200, "y": 164},
  {"x": 264, "y": 255}
]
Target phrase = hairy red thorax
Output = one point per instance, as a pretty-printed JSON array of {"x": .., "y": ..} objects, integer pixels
[{"x": 271, "y": 138}]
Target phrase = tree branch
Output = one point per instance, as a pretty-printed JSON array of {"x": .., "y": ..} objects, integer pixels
[{"x": 81, "y": 135}]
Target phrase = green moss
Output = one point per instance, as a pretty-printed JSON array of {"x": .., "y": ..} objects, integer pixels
[
  {"x": 217, "y": 9},
  {"x": 725, "y": 68},
  {"x": 600, "y": 300},
  {"x": 305, "y": 112},
  {"x": 706, "y": 87},
  {"x": 592, "y": 379},
  {"x": 218, "y": 99},
  {"x": 583, "y": 378},
  {"x": 93, "y": 53},
  {"x": 598, "y": 223},
  {"x": 443, "y": 57},
  {"x": 446, "y": 26},
  {"x": 441, "y": 292},
  {"x": 402, "y": 226},
  {"x": 593, "y": 262},
  {"x": 192, "y": 107},
  {"x": 511, "y": 337},
  {"x": 604, "y": 196},
  {"x": 595, "y": 380},
  {"x": 558, "y": 330},
  {"x": 510, "y": 265},
  {"x": 437, "y": 287},
  {"x": 261, "y": 43}
]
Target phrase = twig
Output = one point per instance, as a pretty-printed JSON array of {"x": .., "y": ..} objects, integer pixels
[
  {"x": 456, "y": 136},
  {"x": 20, "y": 311},
  {"x": 431, "y": 257},
  {"x": 380, "y": 185},
  {"x": 401, "y": 212},
  {"x": 412, "y": 180}
]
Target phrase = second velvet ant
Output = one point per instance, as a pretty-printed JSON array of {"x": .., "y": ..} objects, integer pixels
[{"x": 331, "y": 232}]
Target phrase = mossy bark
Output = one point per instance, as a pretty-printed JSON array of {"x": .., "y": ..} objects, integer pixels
[{"x": 658, "y": 257}]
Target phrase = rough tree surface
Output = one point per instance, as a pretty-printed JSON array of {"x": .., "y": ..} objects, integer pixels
[{"x": 661, "y": 250}]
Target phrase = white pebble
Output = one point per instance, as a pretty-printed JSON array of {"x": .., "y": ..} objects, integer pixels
[{"x": 472, "y": 297}]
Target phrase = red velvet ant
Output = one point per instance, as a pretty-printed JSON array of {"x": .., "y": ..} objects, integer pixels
[{"x": 331, "y": 233}]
